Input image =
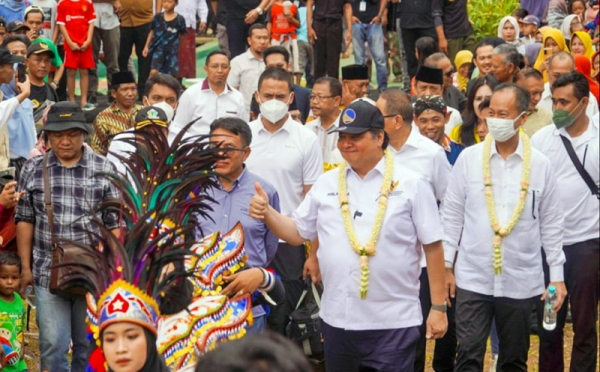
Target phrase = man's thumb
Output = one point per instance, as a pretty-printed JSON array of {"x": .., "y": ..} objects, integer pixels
[{"x": 259, "y": 190}]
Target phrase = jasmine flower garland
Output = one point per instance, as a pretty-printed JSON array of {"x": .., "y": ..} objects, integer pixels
[{"x": 370, "y": 248}]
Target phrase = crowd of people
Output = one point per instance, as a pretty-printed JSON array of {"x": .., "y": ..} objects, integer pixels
[{"x": 438, "y": 203}]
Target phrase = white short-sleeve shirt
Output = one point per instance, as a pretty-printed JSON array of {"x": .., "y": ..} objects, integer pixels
[
  {"x": 581, "y": 207},
  {"x": 244, "y": 75},
  {"x": 411, "y": 217},
  {"x": 327, "y": 140},
  {"x": 289, "y": 159}
]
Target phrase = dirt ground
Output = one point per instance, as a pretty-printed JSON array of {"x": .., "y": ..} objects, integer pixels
[{"x": 32, "y": 349}]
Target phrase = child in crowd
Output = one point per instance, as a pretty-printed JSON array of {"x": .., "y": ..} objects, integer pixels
[
  {"x": 12, "y": 314},
  {"x": 577, "y": 7},
  {"x": 529, "y": 27},
  {"x": 76, "y": 22},
  {"x": 283, "y": 24},
  {"x": 166, "y": 32}
]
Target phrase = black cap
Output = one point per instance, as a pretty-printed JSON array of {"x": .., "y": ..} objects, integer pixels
[
  {"x": 122, "y": 77},
  {"x": 151, "y": 115},
  {"x": 17, "y": 25},
  {"x": 430, "y": 75},
  {"x": 65, "y": 116},
  {"x": 360, "y": 116},
  {"x": 355, "y": 72},
  {"x": 39, "y": 48},
  {"x": 6, "y": 58}
]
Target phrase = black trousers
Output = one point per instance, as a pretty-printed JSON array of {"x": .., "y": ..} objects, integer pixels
[
  {"x": 382, "y": 350},
  {"x": 288, "y": 264},
  {"x": 474, "y": 315},
  {"x": 328, "y": 47},
  {"x": 581, "y": 279},
  {"x": 61, "y": 91},
  {"x": 445, "y": 348},
  {"x": 409, "y": 39},
  {"x": 137, "y": 36},
  {"x": 237, "y": 33}
]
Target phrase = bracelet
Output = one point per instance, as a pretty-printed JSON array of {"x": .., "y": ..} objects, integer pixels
[
  {"x": 448, "y": 264},
  {"x": 268, "y": 281}
]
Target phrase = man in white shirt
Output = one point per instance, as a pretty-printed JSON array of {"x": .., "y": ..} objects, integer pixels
[
  {"x": 325, "y": 102},
  {"x": 559, "y": 64},
  {"x": 537, "y": 117},
  {"x": 211, "y": 99},
  {"x": 425, "y": 157},
  {"x": 501, "y": 215},
  {"x": 247, "y": 67},
  {"x": 581, "y": 243},
  {"x": 370, "y": 306},
  {"x": 287, "y": 155},
  {"x": 429, "y": 81}
]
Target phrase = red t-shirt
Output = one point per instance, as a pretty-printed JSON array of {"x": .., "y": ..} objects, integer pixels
[
  {"x": 280, "y": 24},
  {"x": 76, "y": 16}
]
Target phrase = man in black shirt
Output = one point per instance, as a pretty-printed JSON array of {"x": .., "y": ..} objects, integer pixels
[
  {"x": 454, "y": 30},
  {"x": 39, "y": 57},
  {"x": 416, "y": 21},
  {"x": 324, "y": 24},
  {"x": 241, "y": 14}
]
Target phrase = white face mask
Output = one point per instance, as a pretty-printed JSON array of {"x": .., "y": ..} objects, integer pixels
[
  {"x": 167, "y": 109},
  {"x": 502, "y": 129},
  {"x": 273, "y": 110}
]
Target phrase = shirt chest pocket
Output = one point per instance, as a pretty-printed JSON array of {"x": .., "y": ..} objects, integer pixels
[
  {"x": 531, "y": 210},
  {"x": 90, "y": 196}
]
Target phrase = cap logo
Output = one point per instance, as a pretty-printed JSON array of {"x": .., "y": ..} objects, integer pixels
[
  {"x": 43, "y": 45},
  {"x": 67, "y": 115},
  {"x": 349, "y": 116},
  {"x": 152, "y": 114}
]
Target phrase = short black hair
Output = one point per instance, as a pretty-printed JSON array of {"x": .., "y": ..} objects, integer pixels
[
  {"x": 264, "y": 352},
  {"x": 571, "y": 2},
  {"x": 397, "y": 102},
  {"x": 521, "y": 13},
  {"x": 256, "y": 26},
  {"x": 234, "y": 125},
  {"x": 522, "y": 97},
  {"x": 581, "y": 87},
  {"x": 335, "y": 87},
  {"x": 35, "y": 9},
  {"x": 426, "y": 46},
  {"x": 276, "y": 49},
  {"x": 488, "y": 41},
  {"x": 13, "y": 38},
  {"x": 163, "y": 79},
  {"x": 528, "y": 72},
  {"x": 275, "y": 73},
  {"x": 9, "y": 258},
  {"x": 213, "y": 53}
]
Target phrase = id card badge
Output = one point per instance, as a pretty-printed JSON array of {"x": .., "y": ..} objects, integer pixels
[{"x": 363, "y": 6}]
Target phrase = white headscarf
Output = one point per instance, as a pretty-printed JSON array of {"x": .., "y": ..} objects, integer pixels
[
  {"x": 566, "y": 26},
  {"x": 515, "y": 24}
]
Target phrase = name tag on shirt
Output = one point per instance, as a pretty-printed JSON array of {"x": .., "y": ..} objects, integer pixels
[{"x": 362, "y": 6}]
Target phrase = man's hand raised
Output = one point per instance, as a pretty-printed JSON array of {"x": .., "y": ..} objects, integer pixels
[{"x": 259, "y": 203}]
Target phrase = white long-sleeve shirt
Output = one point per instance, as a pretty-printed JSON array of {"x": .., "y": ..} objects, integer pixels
[
  {"x": 466, "y": 220},
  {"x": 581, "y": 207}
]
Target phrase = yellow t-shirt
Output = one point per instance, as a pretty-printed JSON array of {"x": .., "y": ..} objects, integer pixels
[{"x": 455, "y": 135}]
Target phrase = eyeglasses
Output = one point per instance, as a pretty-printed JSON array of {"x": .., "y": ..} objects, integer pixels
[
  {"x": 450, "y": 73},
  {"x": 390, "y": 116},
  {"x": 319, "y": 98}
]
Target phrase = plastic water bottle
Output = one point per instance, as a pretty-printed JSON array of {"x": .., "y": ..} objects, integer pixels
[{"x": 549, "y": 313}]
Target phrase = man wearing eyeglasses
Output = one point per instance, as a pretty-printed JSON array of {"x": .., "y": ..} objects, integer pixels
[
  {"x": 452, "y": 96},
  {"x": 211, "y": 99},
  {"x": 325, "y": 102}
]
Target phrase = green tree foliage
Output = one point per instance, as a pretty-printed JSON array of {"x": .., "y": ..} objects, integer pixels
[{"x": 486, "y": 14}]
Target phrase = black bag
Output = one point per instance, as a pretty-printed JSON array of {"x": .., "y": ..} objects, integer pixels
[
  {"x": 577, "y": 163},
  {"x": 304, "y": 327}
]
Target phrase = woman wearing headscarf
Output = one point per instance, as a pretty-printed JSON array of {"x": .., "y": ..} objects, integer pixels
[
  {"x": 531, "y": 52},
  {"x": 462, "y": 63},
  {"x": 566, "y": 26},
  {"x": 584, "y": 67},
  {"x": 581, "y": 44},
  {"x": 508, "y": 30},
  {"x": 553, "y": 42}
]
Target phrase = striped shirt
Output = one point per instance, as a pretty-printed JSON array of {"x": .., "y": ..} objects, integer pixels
[
  {"x": 75, "y": 194},
  {"x": 110, "y": 122}
]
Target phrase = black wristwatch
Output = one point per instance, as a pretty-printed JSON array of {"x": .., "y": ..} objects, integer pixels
[{"x": 443, "y": 308}]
